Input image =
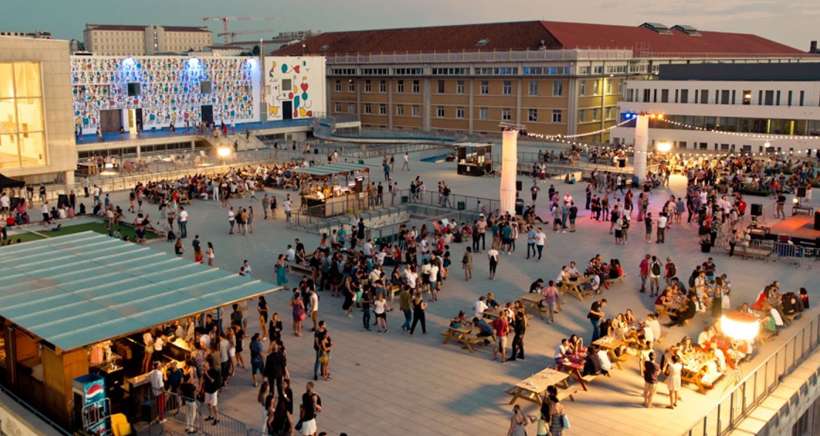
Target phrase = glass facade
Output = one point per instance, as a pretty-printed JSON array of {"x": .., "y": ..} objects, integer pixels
[{"x": 22, "y": 127}]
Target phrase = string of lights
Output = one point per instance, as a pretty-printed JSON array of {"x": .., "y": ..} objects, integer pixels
[{"x": 756, "y": 136}]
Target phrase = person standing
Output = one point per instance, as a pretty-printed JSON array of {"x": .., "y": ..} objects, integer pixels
[
  {"x": 265, "y": 206},
  {"x": 419, "y": 315},
  {"x": 662, "y": 221},
  {"x": 492, "y": 256},
  {"x": 648, "y": 224},
  {"x": 540, "y": 241},
  {"x": 655, "y": 271},
  {"x": 211, "y": 254},
  {"x": 644, "y": 271},
  {"x": 595, "y": 315},
  {"x": 188, "y": 394},
  {"x": 673, "y": 381},
  {"x": 501, "y": 328},
  {"x": 467, "y": 264},
  {"x": 157, "y": 379},
  {"x": 257, "y": 361},
  {"x": 287, "y": 206},
  {"x": 405, "y": 165},
  {"x": 182, "y": 220},
  {"x": 313, "y": 300},
  {"x": 311, "y": 405},
  {"x": 406, "y": 306},
  {"x": 650, "y": 378},
  {"x": 550, "y": 294},
  {"x": 276, "y": 367},
  {"x": 212, "y": 381},
  {"x": 534, "y": 191},
  {"x": 319, "y": 335},
  {"x": 231, "y": 220},
  {"x": 519, "y": 329}
]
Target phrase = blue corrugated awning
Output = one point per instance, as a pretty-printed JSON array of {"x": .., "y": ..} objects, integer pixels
[{"x": 79, "y": 289}]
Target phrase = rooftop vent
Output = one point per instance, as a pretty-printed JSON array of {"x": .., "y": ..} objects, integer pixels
[
  {"x": 657, "y": 27},
  {"x": 482, "y": 42},
  {"x": 687, "y": 29}
]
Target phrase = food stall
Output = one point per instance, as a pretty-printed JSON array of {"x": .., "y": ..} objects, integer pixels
[
  {"x": 76, "y": 312},
  {"x": 474, "y": 159},
  {"x": 334, "y": 189}
]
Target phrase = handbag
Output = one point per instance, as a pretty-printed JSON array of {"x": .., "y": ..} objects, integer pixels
[
  {"x": 298, "y": 426},
  {"x": 565, "y": 422}
]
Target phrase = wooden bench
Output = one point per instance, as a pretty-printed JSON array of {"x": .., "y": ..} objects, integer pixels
[
  {"x": 392, "y": 291},
  {"x": 299, "y": 268},
  {"x": 753, "y": 252},
  {"x": 569, "y": 392},
  {"x": 466, "y": 337}
]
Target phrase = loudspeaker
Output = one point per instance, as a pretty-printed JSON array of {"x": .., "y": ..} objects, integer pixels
[
  {"x": 801, "y": 192},
  {"x": 622, "y": 163},
  {"x": 817, "y": 220},
  {"x": 757, "y": 209},
  {"x": 518, "y": 185}
]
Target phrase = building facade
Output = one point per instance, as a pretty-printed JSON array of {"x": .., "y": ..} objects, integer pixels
[
  {"x": 549, "y": 77},
  {"x": 136, "y": 40},
  {"x": 36, "y": 140},
  {"x": 729, "y": 108}
]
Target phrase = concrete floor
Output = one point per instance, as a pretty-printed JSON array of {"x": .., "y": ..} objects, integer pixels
[{"x": 386, "y": 384}]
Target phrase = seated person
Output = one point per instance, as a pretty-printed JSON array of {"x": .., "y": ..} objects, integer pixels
[
  {"x": 606, "y": 362},
  {"x": 592, "y": 363},
  {"x": 654, "y": 325},
  {"x": 459, "y": 321},
  {"x": 491, "y": 302},
  {"x": 629, "y": 317},
  {"x": 680, "y": 317},
  {"x": 593, "y": 284},
  {"x": 706, "y": 336},
  {"x": 562, "y": 351},
  {"x": 576, "y": 345},
  {"x": 645, "y": 333},
  {"x": 616, "y": 271},
  {"x": 484, "y": 328},
  {"x": 536, "y": 286}
]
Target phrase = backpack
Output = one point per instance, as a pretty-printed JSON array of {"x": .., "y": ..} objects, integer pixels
[
  {"x": 672, "y": 270},
  {"x": 656, "y": 269}
]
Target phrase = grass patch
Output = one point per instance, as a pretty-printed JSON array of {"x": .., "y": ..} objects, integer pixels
[{"x": 98, "y": 227}]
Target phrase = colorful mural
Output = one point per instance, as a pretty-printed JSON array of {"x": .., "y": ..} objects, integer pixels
[
  {"x": 171, "y": 89},
  {"x": 294, "y": 87}
]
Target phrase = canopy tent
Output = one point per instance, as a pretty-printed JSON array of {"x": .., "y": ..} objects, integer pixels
[
  {"x": 80, "y": 289},
  {"x": 7, "y": 182},
  {"x": 331, "y": 169}
]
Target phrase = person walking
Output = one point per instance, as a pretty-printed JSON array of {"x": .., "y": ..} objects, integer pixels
[
  {"x": 311, "y": 406},
  {"x": 257, "y": 361},
  {"x": 467, "y": 264},
  {"x": 419, "y": 315},
  {"x": 276, "y": 368},
  {"x": 648, "y": 225},
  {"x": 231, "y": 220},
  {"x": 493, "y": 257},
  {"x": 550, "y": 294},
  {"x": 595, "y": 315},
  {"x": 265, "y": 206},
  {"x": 182, "y": 220},
  {"x": 406, "y": 307},
  {"x": 650, "y": 378},
  {"x": 519, "y": 421},
  {"x": 655, "y": 271},
  {"x": 558, "y": 418},
  {"x": 319, "y": 335},
  {"x": 540, "y": 241},
  {"x": 673, "y": 380}
]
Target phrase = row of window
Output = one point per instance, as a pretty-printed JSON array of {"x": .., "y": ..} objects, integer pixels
[
  {"x": 484, "y": 87},
  {"x": 536, "y": 70},
  {"x": 768, "y": 97},
  {"x": 594, "y": 87},
  {"x": 594, "y": 114},
  {"x": 441, "y": 111}
]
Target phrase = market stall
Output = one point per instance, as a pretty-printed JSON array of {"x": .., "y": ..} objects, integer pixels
[
  {"x": 474, "y": 159},
  {"x": 79, "y": 312},
  {"x": 334, "y": 189}
]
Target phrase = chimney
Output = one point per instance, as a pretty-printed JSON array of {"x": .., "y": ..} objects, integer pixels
[{"x": 813, "y": 47}]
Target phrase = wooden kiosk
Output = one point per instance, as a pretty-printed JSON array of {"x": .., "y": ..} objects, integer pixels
[
  {"x": 334, "y": 189},
  {"x": 75, "y": 314}
]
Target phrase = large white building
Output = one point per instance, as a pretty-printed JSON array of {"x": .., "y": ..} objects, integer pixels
[
  {"x": 136, "y": 40},
  {"x": 728, "y": 107}
]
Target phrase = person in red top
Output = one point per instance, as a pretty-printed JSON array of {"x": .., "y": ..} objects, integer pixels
[
  {"x": 644, "y": 267},
  {"x": 501, "y": 328}
]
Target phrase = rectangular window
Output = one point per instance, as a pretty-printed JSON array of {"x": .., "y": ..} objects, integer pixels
[
  {"x": 704, "y": 96},
  {"x": 532, "y": 114},
  {"x": 416, "y": 87},
  {"x": 533, "y": 87},
  {"x": 507, "y": 89},
  {"x": 596, "y": 114},
  {"x": 506, "y": 114},
  {"x": 647, "y": 95},
  {"x": 664, "y": 96},
  {"x": 595, "y": 87},
  {"x": 802, "y": 97},
  {"x": 368, "y": 108},
  {"x": 367, "y": 87},
  {"x": 22, "y": 137},
  {"x": 482, "y": 113},
  {"x": 747, "y": 97},
  {"x": 382, "y": 109},
  {"x": 400, "y": 110},
  {"x": 556, "y": 115},
  {"x": 582, "y": 88},
  {"x": 460, "y": 113},
  {"x": 485, "y": 87},
  {"x": 351, "y": 108},
  {"x": 337, "y": 107},
  {"x": 557, "y": 88},
  {"x": 769, "y": 98},
  {"x": 439, "y": 111},
  {"x": 789, "y": 98},
  {"x": 684, "y": 96},
  {"x": 724, "y": 96},
  {"x": 440, "y": 87},
  {"x": 654, "y": 96},
  {"x": 734, "y": 96},
  {"x": 460, "y": 87},
  {"x": 582, "y": 114},
  {"x": 608, "y": 87},
  {"x": 382, "y": 86},
  {"x": 400, "y": 86},
  {"x": 416, "y": 111},
  {"x": 777, "y": 98},
  {"x": 338, "y": 86},
  {"x": 351, "y": 86}
]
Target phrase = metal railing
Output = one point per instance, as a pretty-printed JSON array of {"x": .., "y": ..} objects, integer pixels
[
  {"x": 176, "y": 414},
  {"x": 482, "y": 56},
  {"x": 750, "y": 391}
]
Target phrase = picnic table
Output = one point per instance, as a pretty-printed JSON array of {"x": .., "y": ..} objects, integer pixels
[
  {"x": 300, "y": 268},
  {"x": 532, "y": 300},
  {"x": 610, "y": 343},
  {"x": 533, "y": 387},
  {"x": 574, "y": 287},
  {"x": 464, "y": 336}
]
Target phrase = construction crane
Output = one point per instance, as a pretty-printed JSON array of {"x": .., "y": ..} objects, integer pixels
[
  {"x": 229, "y": 36},
  {"x": 226, "y": 33}
]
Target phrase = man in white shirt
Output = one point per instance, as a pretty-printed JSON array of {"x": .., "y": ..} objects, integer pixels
[
  {"x": 662, "y": 220},
  {"x": 480, "y": 307},
  {"x": 157, "y": 380},
  {"x": 182, "y": 219},
  {"x": 405, "y": 165},
  {"x": 5, "y": 203},
  {"x": 287, "y": 205},
  {"x": 655, "y": 325},
  {"x": 290, "y": 254},
  {"x": 540, "y": 241},
  {"x": 231, "y": 220},
  {"x": 314, "y": 308}
]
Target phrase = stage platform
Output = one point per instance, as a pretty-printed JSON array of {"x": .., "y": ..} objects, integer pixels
[{"x": 800, "y": 226}]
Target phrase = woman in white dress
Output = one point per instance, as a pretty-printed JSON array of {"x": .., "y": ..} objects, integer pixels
[{"x": 673, "y": 380}]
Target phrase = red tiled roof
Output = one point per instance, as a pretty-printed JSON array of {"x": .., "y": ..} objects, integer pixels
[
  {"x": 496, "y": 36},
  {"x": 532, "y": 34},
  {"x": 645, "y": 41}
]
